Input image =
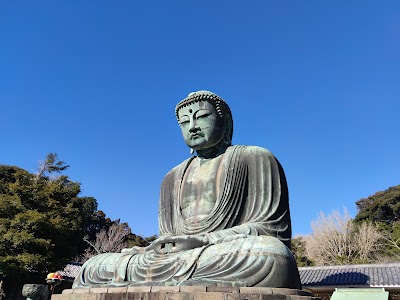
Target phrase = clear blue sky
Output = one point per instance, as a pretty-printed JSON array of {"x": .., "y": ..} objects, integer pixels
[{"x": 315, "y": 82}]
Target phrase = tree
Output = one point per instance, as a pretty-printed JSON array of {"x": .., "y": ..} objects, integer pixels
[
  {"x": 138, "y": 240},
  {"x": 368, "y": 242},
  {"x": 383, "y": 208},
  {"x": 113, "y": 239},
  {"x": 336, "y": 239},
  {"x": 298, "y": 248},
  {"x": 50, "y": 165},
  {"x": 42, "y": 222},
  {"x": 392, "y": 238}
]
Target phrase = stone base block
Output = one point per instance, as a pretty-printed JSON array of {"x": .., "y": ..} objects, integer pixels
[{"x": 183, "y": 293}]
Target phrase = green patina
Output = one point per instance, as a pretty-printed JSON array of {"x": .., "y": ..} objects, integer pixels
[{"x": 223, "y": 215}]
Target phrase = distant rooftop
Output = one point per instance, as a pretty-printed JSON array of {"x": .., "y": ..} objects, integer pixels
[
  {"x": 373, "y": 275},
  {"x": 71, "y": 270}
]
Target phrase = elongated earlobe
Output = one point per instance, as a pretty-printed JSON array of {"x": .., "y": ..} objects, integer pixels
[{"x": 228, "y": 128}]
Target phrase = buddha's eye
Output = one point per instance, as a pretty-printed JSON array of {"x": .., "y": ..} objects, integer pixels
[
  {"x": 203, "y": 114},
  {"x": 184, "y": 120}
]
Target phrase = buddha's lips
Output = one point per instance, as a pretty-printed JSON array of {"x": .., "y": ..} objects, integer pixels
[{"x": 196, "y": 135}]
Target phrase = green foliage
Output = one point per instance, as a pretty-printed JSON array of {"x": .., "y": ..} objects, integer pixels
[
  {"x": 42, "y": 221},
  {"x": 393, "y": 239},
  {"x": 137, "y": 240},
  {"x": 51, "y": 164},
  {"x": 383, "y": 208},
  {"x": 298, "y": 248}
]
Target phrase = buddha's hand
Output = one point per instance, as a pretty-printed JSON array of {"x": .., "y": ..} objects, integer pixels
[
  {"x": 232, "y": 237},
  {"x": 174, "y": 244},
  {"x": 134, "y": 250}
]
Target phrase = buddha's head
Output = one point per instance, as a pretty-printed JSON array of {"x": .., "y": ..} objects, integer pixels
[{"x": 205, "y": 120}]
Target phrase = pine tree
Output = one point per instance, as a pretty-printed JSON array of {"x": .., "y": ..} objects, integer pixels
[{"x": 42, "y": 222}]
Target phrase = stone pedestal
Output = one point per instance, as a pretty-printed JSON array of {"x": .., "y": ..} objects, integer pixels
[{"x": 183, "y": 293}]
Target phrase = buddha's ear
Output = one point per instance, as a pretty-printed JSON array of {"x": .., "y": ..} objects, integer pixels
[{"x": 227, "y": 130}]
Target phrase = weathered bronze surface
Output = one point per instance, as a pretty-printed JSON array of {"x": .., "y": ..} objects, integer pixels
[{"x": 223, "y": 215}]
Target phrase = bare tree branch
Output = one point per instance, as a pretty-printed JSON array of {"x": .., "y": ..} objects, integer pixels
[
  {"x": 112, "y": 240},
  {"x": 336, "y": 239},
  {"x": 50, "y": 165}
]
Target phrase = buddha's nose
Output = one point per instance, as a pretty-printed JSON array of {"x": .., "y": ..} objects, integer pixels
[
  {"x": 193, "y": 125},
  {"x": 194, "y": 128}
]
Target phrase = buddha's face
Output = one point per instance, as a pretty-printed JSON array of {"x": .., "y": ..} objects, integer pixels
[{"x": 201, "y": 125}]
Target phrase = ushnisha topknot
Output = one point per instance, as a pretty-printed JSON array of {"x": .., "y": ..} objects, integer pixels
[{"x": 202, "y": 95}]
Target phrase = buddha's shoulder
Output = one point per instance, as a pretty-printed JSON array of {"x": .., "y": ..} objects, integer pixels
[
  {"x": 251, "y": 150},
  {"x": 179, "y": 167}
]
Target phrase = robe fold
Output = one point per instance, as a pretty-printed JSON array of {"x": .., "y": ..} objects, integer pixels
[{"x": 248, "y": 230}]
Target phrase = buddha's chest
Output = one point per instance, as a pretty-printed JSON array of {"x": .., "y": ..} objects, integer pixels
[{"x": 200, "y": 188}]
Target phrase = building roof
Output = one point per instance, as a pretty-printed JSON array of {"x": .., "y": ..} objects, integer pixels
[
  {"x": 71, "y": 270},
  {"x": 374, "y": 275}
]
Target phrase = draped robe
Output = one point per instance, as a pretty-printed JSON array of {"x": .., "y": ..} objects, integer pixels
[{"x": 248, "y": 230}]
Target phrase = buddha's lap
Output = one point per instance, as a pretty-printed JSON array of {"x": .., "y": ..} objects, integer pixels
[
  {"x": 248, "y": 261},
  {"x": 249, "y": 249}
]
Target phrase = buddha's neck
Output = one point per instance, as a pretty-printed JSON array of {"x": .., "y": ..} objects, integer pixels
[{"x": 211, "y": 152}]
